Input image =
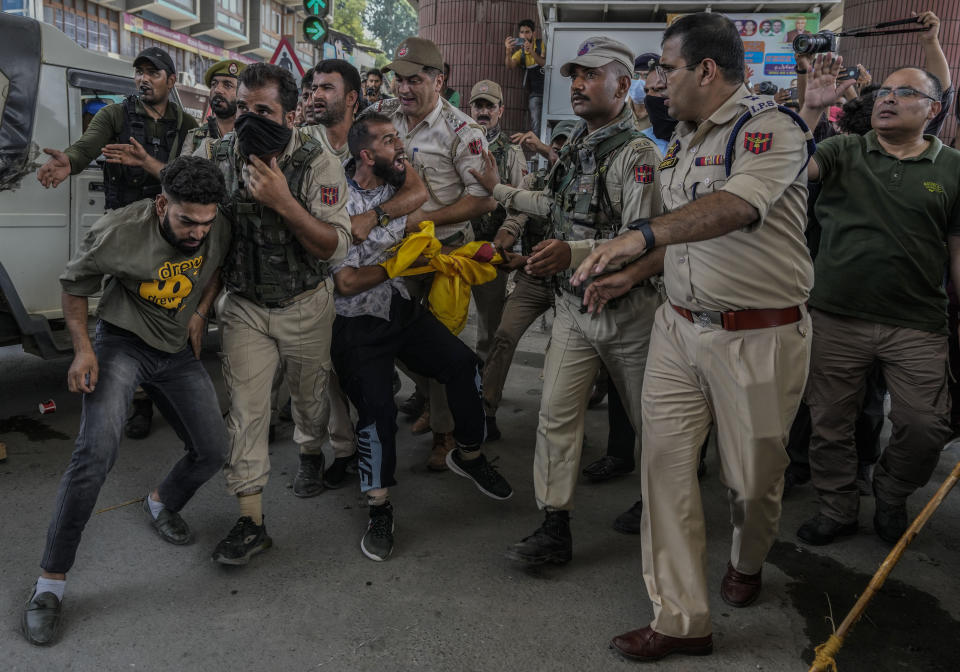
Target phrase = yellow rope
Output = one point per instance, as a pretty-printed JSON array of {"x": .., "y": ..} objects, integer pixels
[{"x": 825, "y": 653}]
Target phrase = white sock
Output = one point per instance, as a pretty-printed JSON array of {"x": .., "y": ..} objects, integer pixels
[
  {"x": 55, "y": 586},
  {"x": 155, "y": 507}
]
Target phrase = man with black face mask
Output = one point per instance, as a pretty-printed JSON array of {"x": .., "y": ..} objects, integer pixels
[
  {"x": 222, "y": 79},
  {"x": 289, "y": 223}
]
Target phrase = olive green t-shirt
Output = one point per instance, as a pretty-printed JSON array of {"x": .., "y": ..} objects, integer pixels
[
  {"x": 153, "y": 288},
  {"x": 885, "y": 221}
]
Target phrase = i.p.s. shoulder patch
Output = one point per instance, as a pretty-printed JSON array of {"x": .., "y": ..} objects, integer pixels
[
  {"x": 670, "y": 158},
  {"x": 643, "y": 174},
  {"x": 329, "y": 195},
  {"x": 758, "y": 143}
]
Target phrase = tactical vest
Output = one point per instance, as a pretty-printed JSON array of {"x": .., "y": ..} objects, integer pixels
[
  {"x": 124, "y": 185},
  {"x": 266, "y": 262},
  {"x": 581, "y": 208},
  {"x": 201, "y": 133},
  {"x": 485, "y": 226},
  {"x": 537, "y": 229}
]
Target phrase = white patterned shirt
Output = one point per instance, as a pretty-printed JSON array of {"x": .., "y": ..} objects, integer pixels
[{"x": 374, "y": 250}]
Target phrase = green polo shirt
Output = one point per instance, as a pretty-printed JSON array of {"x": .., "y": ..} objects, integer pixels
[
  {"x": 106, "y": 126},
  {"x": 883, "y": 250}
]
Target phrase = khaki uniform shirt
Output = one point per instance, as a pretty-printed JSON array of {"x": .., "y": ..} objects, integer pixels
[
  {"x": 196, "y": 136},
  {"x": 631, "y": 196},
  {"x": 323, "y": 191},
  {"x": 442, "y": 148},
  {"x": 319, "y": 132},
  {"x": 766, "y": 265}
]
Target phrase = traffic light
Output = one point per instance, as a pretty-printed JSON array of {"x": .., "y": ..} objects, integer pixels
[{"x": 315, "y": 25}]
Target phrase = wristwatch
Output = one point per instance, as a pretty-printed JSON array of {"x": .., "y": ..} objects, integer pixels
[
  {"x": 643, "y": 226},
  {"x": 382, "y": 217}
]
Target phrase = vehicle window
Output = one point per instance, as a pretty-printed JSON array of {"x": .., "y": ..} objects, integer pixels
[{"x": 92, "y": 101}]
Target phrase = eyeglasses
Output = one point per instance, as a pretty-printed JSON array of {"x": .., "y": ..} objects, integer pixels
[
  {"x": 902, "y": 92},
  {"x": 664, "y": 71}
]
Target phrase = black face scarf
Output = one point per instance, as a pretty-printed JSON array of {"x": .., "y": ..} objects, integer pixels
[
  {"x": 260, "y": 136},
  {"x": 663, "y": 124}
]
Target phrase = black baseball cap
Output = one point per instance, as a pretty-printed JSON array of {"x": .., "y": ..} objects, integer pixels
[{"x": 158, "y": 57}]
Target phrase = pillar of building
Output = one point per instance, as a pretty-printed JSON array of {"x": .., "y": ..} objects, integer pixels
[
  {"x": 882, "y": 55},
  {"x": 470, "y": 33}
]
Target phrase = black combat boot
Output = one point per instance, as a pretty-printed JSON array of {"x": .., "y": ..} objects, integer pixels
[{"x": 551, "y": 542}]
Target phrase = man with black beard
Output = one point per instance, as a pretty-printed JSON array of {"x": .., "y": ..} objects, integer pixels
[
  {"x": 159, "y": 259},
  {"x": 289, "y": 223},
  {"x": 377, "y": 322},
  {"x": 137, "y": 136},
  {"x": 222, "y": 79},
  {"x": 306, "y": 99}
]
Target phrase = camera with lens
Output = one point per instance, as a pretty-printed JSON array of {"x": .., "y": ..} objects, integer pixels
[
  {"x": 818, "y": 43},
  {"x": 767, "y": 88},
  {"x": 518, "y": 42}
]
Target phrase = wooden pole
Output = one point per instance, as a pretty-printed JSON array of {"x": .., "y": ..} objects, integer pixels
[{"x": 824, "y": 659}]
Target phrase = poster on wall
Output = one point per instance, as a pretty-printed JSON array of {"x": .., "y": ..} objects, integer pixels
[{"x": 768, "y": 43}]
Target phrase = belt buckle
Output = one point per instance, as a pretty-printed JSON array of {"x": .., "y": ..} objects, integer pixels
[{"x": 702, "y": 318}]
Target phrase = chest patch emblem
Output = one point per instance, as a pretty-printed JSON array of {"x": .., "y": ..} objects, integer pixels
[
  {"x": 475, "y": 146},
  {"x": 329, "y": 195},
  {"x": 715, "y": 160},
  {"x": 643, "y": 174},
  {"x": 933, "y": 187},
  {"x": 670, "y": 158},
  {"x": 758, "y": 143}
]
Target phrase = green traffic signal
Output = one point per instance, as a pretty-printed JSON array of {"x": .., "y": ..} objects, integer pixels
[
  {"x": 319, "y": 8},
  {"x": 314, "y": 29}
]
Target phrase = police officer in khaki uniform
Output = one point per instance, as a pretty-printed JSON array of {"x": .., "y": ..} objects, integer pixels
[
  {"x": 221, "y": 78},
  {"x": 602, "y": 180},
  {"x": 732, "y": 345},
  {"x": 289, "y": 222},
  {"x": 486, "y": 108},
  {"x": 444, "y": 145},
  {"x": 531, "y": 296}
]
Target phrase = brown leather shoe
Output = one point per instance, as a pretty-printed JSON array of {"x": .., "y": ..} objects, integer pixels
[
  {"x": 422, "y": 424},
  {"x": 645, "y": 644},
  {"x": 738, "y": 589},
  {"x": 442, "y": 444}
]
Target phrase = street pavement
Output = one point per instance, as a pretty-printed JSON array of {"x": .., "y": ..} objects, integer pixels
[{"x": 447, "y": 599}]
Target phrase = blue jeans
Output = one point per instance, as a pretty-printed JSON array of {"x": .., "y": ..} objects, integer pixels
[
  {"x": 536, "y": 109},
  {"x": 184, "y": 393}
]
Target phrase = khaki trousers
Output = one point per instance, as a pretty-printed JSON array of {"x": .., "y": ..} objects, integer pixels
[
  {"x": 255, "y": 340},
  {"x": 914, "y": 366},
  {"x": 579, "y": 343},
  {"x": 530, "y": 298},
  {"x": 749, "y": 384},
  {"x": 489, "y": 299}
]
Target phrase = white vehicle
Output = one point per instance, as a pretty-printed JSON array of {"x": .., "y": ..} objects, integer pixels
[{"x": 48, "y": 88}]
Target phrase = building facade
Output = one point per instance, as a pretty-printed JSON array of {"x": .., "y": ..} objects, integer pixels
[{"x": 196, "y": 33}]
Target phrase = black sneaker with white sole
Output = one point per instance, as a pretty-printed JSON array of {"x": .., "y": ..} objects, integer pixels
[
  {"x": 377, "y": 542},
  {"x": 244, "y": 541},
  {"x": 483, "y": 474}
]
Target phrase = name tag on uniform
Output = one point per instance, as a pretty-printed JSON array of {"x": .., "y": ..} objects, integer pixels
[{"x": 670, "y": 158}]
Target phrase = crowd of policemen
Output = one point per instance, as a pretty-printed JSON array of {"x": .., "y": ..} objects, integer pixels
[{"x": 684, "y": 274}]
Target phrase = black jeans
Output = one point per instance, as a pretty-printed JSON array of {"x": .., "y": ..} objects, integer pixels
[
  {"x": 181, "y": 389},
  {"x": 363, "y": 351}
]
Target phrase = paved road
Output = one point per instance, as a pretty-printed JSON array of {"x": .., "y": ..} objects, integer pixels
[{"x": 447, "y": 599}]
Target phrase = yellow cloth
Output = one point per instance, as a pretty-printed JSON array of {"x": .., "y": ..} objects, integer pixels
[{"x": 455, "y": 273}]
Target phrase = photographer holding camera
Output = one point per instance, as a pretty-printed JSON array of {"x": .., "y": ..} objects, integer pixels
[
  {"x": 530, "y": 53},
  {"x": 373, "y": 86}
]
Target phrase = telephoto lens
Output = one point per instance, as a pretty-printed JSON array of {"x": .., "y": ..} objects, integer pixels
[
  {"x": 767, "y": 88},
  {"x": 819, "y": 43}
]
